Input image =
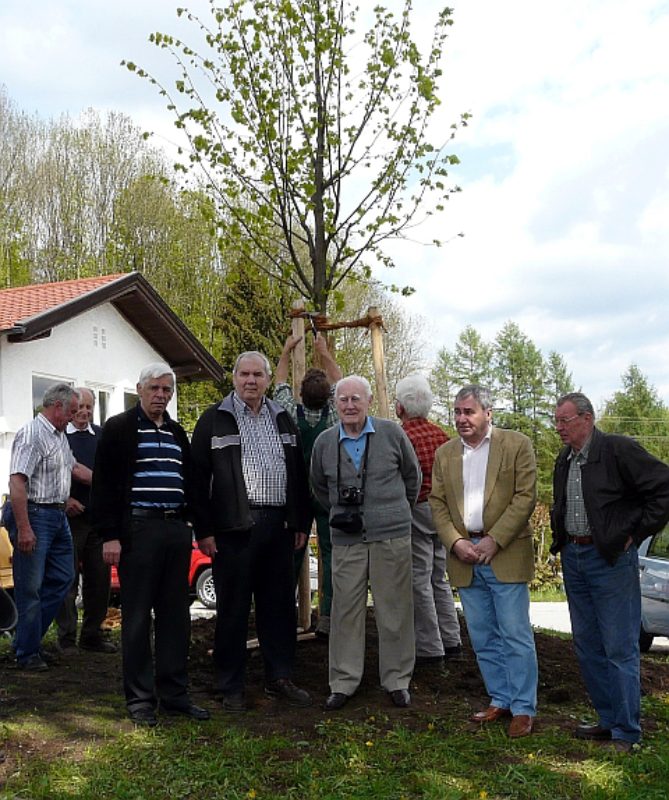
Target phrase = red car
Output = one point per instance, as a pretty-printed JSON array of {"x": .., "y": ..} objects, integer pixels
[{"x": 199, "y": 579}]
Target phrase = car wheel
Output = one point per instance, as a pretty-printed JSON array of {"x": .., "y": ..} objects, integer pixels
[
  {"x": 204, "y": 588},
  {"x": 645, "y": 640}
]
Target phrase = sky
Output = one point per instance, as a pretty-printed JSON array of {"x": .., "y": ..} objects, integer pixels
[{"x": 564, "y": 165}]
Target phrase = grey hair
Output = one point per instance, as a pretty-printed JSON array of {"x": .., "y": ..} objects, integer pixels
[
  {"x": 414, "y": 395},
  {"x": 481, "y": 394},
  {"x": 59, "y": 393},
  {"x": 582, "y": 403},
  {"x": 254, "y": 354},
  {"x": 156, "y": 370},
  {"x": 365, "y": 383}
]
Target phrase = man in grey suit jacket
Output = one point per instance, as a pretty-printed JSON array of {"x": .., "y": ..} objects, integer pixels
[
  {"x": 483, "y": 494},
  {"x": 365, "y": 472}
]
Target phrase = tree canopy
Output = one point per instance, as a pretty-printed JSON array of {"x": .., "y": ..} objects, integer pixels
[{"x": 313, "y": 137}]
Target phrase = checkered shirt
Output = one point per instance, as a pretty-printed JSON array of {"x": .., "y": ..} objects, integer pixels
[
  {"x": 263, "y": 456},
  {"x": 283, "y": 395},
  {"x": 575, "y": 518},
  {"x": 426, "y": 438}
]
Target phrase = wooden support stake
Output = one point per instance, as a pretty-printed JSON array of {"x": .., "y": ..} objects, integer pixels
[
  {"x": 376, "y": 333},
  {"x": 299, "y": 368}
]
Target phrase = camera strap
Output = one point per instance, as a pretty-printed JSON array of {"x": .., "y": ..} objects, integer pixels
[{"x": 363, "y": 471}]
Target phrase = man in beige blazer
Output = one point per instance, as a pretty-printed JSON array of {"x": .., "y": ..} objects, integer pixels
[{"x": 483, "y": 493}]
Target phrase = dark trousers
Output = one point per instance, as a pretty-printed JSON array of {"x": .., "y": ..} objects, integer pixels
[
  {"x": 153, "y": 573},
  {"x": 257, "y": 564},
  {"x": 88, "y": 563}
]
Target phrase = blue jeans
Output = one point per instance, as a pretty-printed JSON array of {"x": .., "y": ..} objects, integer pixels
[
  {"x": 41, "y": 578},
  {"x": 605, "y": 610},
  {"x": 498, "y": 621}
]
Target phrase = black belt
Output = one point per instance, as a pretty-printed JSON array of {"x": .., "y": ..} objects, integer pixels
[
  {"x": 476, "y": 533},
  {"x": 57, "y": 506},
  {"x": 157, "y": 513},
  {"x": 580, "y": 539}
]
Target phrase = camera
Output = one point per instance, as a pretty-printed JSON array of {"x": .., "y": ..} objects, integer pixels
[{"x": 351, "y": 495}]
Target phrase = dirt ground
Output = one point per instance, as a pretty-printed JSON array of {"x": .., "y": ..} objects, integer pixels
[{"x": 85, "y": 681}]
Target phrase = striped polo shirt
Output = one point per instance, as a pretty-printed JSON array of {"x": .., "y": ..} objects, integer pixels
[{"x": 158, "y": 480}]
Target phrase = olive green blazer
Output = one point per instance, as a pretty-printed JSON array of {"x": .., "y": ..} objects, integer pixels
[{"x": 510, "y": 497}]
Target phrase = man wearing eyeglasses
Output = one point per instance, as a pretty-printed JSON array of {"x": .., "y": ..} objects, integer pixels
[
  {"x": 365, "y": 472},
  {"x": 609, "y": 494}
]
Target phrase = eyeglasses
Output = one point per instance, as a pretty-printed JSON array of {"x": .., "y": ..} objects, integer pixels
[{"x": 565, "y": 420}]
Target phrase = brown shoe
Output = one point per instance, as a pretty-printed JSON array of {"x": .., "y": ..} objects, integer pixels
[
  {"x": 521, "y": 725},
  {"x": 490, "y": 714}
]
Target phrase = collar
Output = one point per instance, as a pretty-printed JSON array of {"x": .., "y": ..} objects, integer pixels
[
  {"x": 583, "y": 451},
  {"x": 368, "y": 427},
  {"x": 45, "y": 423},
  {"x": 142, "y": 416},
  {"x": 73, "y": 429},
  {"x": 244, "y": 408}
]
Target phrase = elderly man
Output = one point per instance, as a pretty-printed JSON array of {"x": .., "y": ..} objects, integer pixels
[
  {"x": 483, "y": 494},
  {"x": 366, "y": 473},
  {"x": 253, "y": 497},
  {"x": 609, "y": 495},
  {"x": 312, "y": 416},
  {"x": 83, "y": 436},
  {"x": 142, "y": 500},
  {"x": 435, "y": 619},
  {"x": 40, "y": 470}
]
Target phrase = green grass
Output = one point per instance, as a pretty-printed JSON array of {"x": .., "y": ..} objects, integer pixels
[
  {"x": 548, "y": 595},
  {"x": 374, "y": 758}
]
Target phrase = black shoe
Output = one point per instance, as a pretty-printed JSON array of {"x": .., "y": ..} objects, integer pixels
[
  {"x": 144, "y": 716},
  {"x": 285, "y": 689},
  {"x": 400, "y": 697},
  {"x": 594, "y": 732},
  {"x": 335, "y": 701},
  {"x": 191, "y": 710},
  {"x": 98, "y": 646},
  {"x": 453, "y": 653},
  {"x": 34, "y": 663},
  {"x": 50, "y": 657},
  {"x": 429, "y": 661},
  {"x": 66, "y": 647},
  {"x": 234, "y": 703}
]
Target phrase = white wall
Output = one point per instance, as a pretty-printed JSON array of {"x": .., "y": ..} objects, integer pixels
[{"x": 99, "y": 348}]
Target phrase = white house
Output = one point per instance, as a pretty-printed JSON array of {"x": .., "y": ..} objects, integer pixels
[{"x": 93, "y": 332}]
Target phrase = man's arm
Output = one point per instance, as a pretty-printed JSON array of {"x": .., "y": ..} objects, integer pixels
[
  {"x": 82, "y": 474},
  {"x": 18, "y": 495},
  {"x": 283, "y": 365}
]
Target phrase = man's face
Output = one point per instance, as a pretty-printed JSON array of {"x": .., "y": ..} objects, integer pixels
[
  {"x": 471, "y": 420},
  {"x": 154, "y": 395},
  {"x": 573, "y": 428},
  {"x": 84, "y": 413},
  {"x": 64, "y": 413},
  {"x": 352, "y": 403},
  {"x": 251, "y": 381}
]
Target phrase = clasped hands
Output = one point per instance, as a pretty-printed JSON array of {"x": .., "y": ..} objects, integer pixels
[{"x": 482, "y": 552}]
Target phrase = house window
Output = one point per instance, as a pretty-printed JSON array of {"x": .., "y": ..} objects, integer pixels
[
  {"x": 129, "y": 400},
  {"x": 95, "y": 336},
  {"x": 103, "y": 406},
  {"x": 40, "y": 385},
  {"x": 103, "y": 338}
]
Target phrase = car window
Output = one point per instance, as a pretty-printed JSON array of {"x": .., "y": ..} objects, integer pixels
[{"x": 659, "y": 547}]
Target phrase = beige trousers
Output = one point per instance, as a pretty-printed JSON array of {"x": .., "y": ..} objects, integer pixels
[{"x": 386, "y": 568}]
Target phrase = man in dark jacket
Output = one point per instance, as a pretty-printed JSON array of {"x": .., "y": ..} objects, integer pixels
[
  {"x": 609, "y": 494},
  {"x": 253, "y": 497},
  {"x": 141, "y": 503}
]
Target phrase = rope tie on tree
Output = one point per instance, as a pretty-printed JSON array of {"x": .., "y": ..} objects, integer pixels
[{"x": 321, "y": 322}]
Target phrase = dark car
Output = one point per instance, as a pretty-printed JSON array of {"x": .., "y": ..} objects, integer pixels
[
  {"x": 654, "y": 577},
  {"x": 199, "y": 579}
]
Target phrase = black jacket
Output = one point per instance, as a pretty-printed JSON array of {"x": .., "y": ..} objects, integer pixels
[
  {"x": 625, "y": 490},
  {"x": 112, "y": 475},
  {"x": 222, "y": 501}
]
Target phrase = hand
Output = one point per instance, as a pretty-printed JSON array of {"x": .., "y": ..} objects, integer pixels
[
  {"x": 320, "y": 345},
  {"x": 26, "y": 541},
  {"x": 300, "y": 540},
  {"x": 465, "y": 551},
  {"x": 628, "y": 544},
  {"x": 208, "y": 546},
  {"x": 291, "y": 343},
  {"x": 111, "y": 552},
  {"x": 73, "y": 507},
  {"x": 487, "y": 549}
]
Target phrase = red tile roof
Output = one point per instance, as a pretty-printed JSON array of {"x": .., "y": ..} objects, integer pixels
[{"x": 24, "y": 302}]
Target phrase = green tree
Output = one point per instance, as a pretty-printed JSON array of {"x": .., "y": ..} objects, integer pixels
[
  {"x": 313, "y": 142},
  {"x": 636, "y": 410},
  {"x": 558, "y": 378}
]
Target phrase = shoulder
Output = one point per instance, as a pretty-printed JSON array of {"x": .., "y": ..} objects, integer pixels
[{"x": 509, "y": 438}]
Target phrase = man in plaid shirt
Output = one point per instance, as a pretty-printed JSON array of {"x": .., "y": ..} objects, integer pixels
[{"x": 435, "y": 619}]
